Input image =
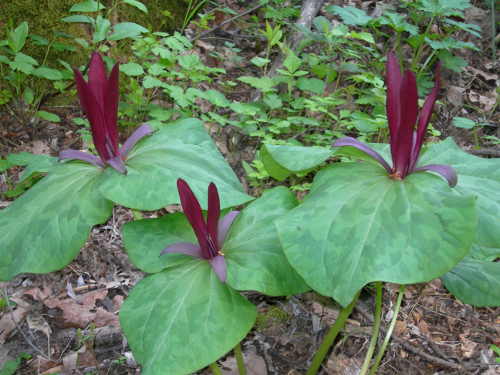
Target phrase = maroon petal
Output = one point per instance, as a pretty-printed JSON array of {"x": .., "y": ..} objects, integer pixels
[
  {"x": 186, "y": 248},
  {"x": 423, "y": 119},
  {"x": 393, "y": 101},
  {"x": 447, "y": 172},
  {"x": 213, "y": 214},
  {"x": 95, "y": 115},
  {"x": 97, "y": 77},
  {"x": 224, "y": 225},
  {"x": 349, "y": 141},
  {"x": 192, "y": 210},
  {"x": 80, "y": 155},
  {"x": 220, "y": 268},
  {"x": 111, "y": 99},
  {"x": 117, "y": 164},
  {"x": 136, "y": 136},
  {"x": 409, "y": 113}
]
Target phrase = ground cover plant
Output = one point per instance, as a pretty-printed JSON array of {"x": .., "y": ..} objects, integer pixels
[{"x": 348, "y": 192}]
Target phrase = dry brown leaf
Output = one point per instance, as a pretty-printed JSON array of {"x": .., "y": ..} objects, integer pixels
[
  {"x": 8, "y": 321},
  {"x": 467, "y": 346}
]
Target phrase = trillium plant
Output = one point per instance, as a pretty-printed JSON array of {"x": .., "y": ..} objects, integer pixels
[{"x": 402, "y": 212}]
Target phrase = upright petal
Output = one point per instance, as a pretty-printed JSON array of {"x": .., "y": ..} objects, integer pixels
[
  {"x": 224, "y": 226},
  {"x": 409, "y": 113},
  {"x": 192, "y": 210},
  {"x": 135, "y": 137},
  {"x": 95, "y": 115},
  {"x": 220, "y": 268},
  {"x": 213, "y": 214},
  {"x": 111, "y": 99},
  {"x": 424, "y": 117},
  {"x": 393, "y": 101},
  {"x": 97, "y": 77}
]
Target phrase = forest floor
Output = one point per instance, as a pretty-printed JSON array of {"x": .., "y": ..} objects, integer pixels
[{"x": 67, "y": 321}]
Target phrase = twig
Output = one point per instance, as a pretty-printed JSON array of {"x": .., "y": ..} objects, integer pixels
[
  {"x": 201, "y": 35},
  {"x": 486, "y": 152}
]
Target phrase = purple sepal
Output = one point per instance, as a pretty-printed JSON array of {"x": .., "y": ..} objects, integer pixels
[
  {"x": 224, "y": 225},
  {"x": 220, "y": 268},
  {"x": 447, "y": 172},
  {"x": 349, "y": 141},
  {"x": 80, "y": 155},
  {"x": 136, "y": 136},
  {"x": 118, "y": 164},
  {"x": 186, "y": 248}
]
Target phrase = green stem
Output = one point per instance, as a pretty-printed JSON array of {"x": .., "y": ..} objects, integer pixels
[
  {"x": 215, "y": 369},
  {"x": 330, "y": 337},
  {"x": 375, "y": 329},
  {"x": 239, "y": 359},
  {"x": 388, "y": 334}
]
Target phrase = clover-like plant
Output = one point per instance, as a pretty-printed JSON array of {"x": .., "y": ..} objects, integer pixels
[
  {"x": 44, "y": 229},
  {"x": 188, "y": 313}
]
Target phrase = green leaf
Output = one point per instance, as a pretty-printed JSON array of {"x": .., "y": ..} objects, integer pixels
[
  {"x": 145, "y": 239},
  {"x": 87, "y": 6},
  {"x": 102, "y": 26},
  {"x": 48, "y": 73},
  {"x": 265, "y": 84},
  {"x": 455, "y": 63},
  {"x": 275, "y": 170},
  {"x": 43, "y": 230},
  {"x": 350, "y": 15},
  {"x": 259, "y": 61},
  {"x": 182, "y": 319},
  {"x": 28, "y": 95},
  {"x": 132, "y": 69},
  {"x": 17, "y": 37},
  {"x": 52, "y": 117},
  {"x": 477, "y": 176},
  {"x": 35, "y": 163},
  {"x": 181, "y": 150},
  {"x": 255, "y": 259},
  {"x": 137, "y": 4},
  {"x": 313, "y": 85},
  {"x": 78, "y": 18},
  {"x": 292, "y": 62},
  {"x": 464, "y": 123},
  {"x": 357, "y": 226},
  {"x": 125, "y": 30},
  {"x": 298, "y": 158}
]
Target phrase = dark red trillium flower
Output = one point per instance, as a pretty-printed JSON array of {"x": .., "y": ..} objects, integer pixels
[
  {"x": 210, "y": 233},
  {"x": 99, "y": 98},
  {"x": 402, "y": 113}
]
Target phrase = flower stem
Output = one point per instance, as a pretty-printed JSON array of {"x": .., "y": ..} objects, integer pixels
[
  {"x": 330, "y": 337},
  {"x": 375, "y": 329},
  {"x": 388, "y": 334},
  {"x": 239, "y": 359},
  {"x": 215, "y": 369}
]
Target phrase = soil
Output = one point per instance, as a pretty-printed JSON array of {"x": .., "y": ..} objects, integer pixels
[{"x": 67, "y": 321}]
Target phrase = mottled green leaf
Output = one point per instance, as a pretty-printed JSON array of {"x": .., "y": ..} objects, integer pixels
[
  {"x": 180, "y": 150},
  {"x": 298, "y": 158},
  {"x": 125, "y": 30},
  {"x": 132, "y": 69},
  {"x": 43, "y": 230},
  {"x": 350, "y": 15},
  {"x": 357, "y": 226},
  {"x": 255, "y": 259},
  {"x": 182, "y": 319}
]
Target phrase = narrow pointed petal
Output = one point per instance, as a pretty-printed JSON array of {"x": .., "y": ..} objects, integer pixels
[
  {"x": 213, "y": 213},
  {"x": 349, "y": 141},
  {"x": 183, "y": 248},
  {"x": 224, "y": 225},
  {"x": 393, "y": 101},
  {"x": 424, "y": 117},
  {"x": 94, "y": 114},
  {"x": 135, "y": 137},
  {"x": 118, "y": 164},
  {"x": 409, "y": 113},
  {"x": 220, "y": 268},
  {"x": 97, "y": 77},
  {"x": 192, "y": 210},
  {"x": 111, "y": 99},
  {"x": 80, "y": 155},
  {"x": 445, "y": 171}
]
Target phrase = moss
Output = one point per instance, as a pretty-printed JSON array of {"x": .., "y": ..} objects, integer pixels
[{"x": 274, "y": 315}]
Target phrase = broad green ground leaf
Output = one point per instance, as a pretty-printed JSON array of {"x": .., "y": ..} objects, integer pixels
[
  {"x": 298, "y": 158},
  {"x": 145, "y": 239},
  {"x": 357, "y": 226},
  {"x": 44, "y": 229},
  {"x": 255, "y": 259},
  {"x": 182, "y": 319},
  {"x": 272, "y": 167},
  {"x": 180, "y": 150},
  {"x": 477, "y": 176}
]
